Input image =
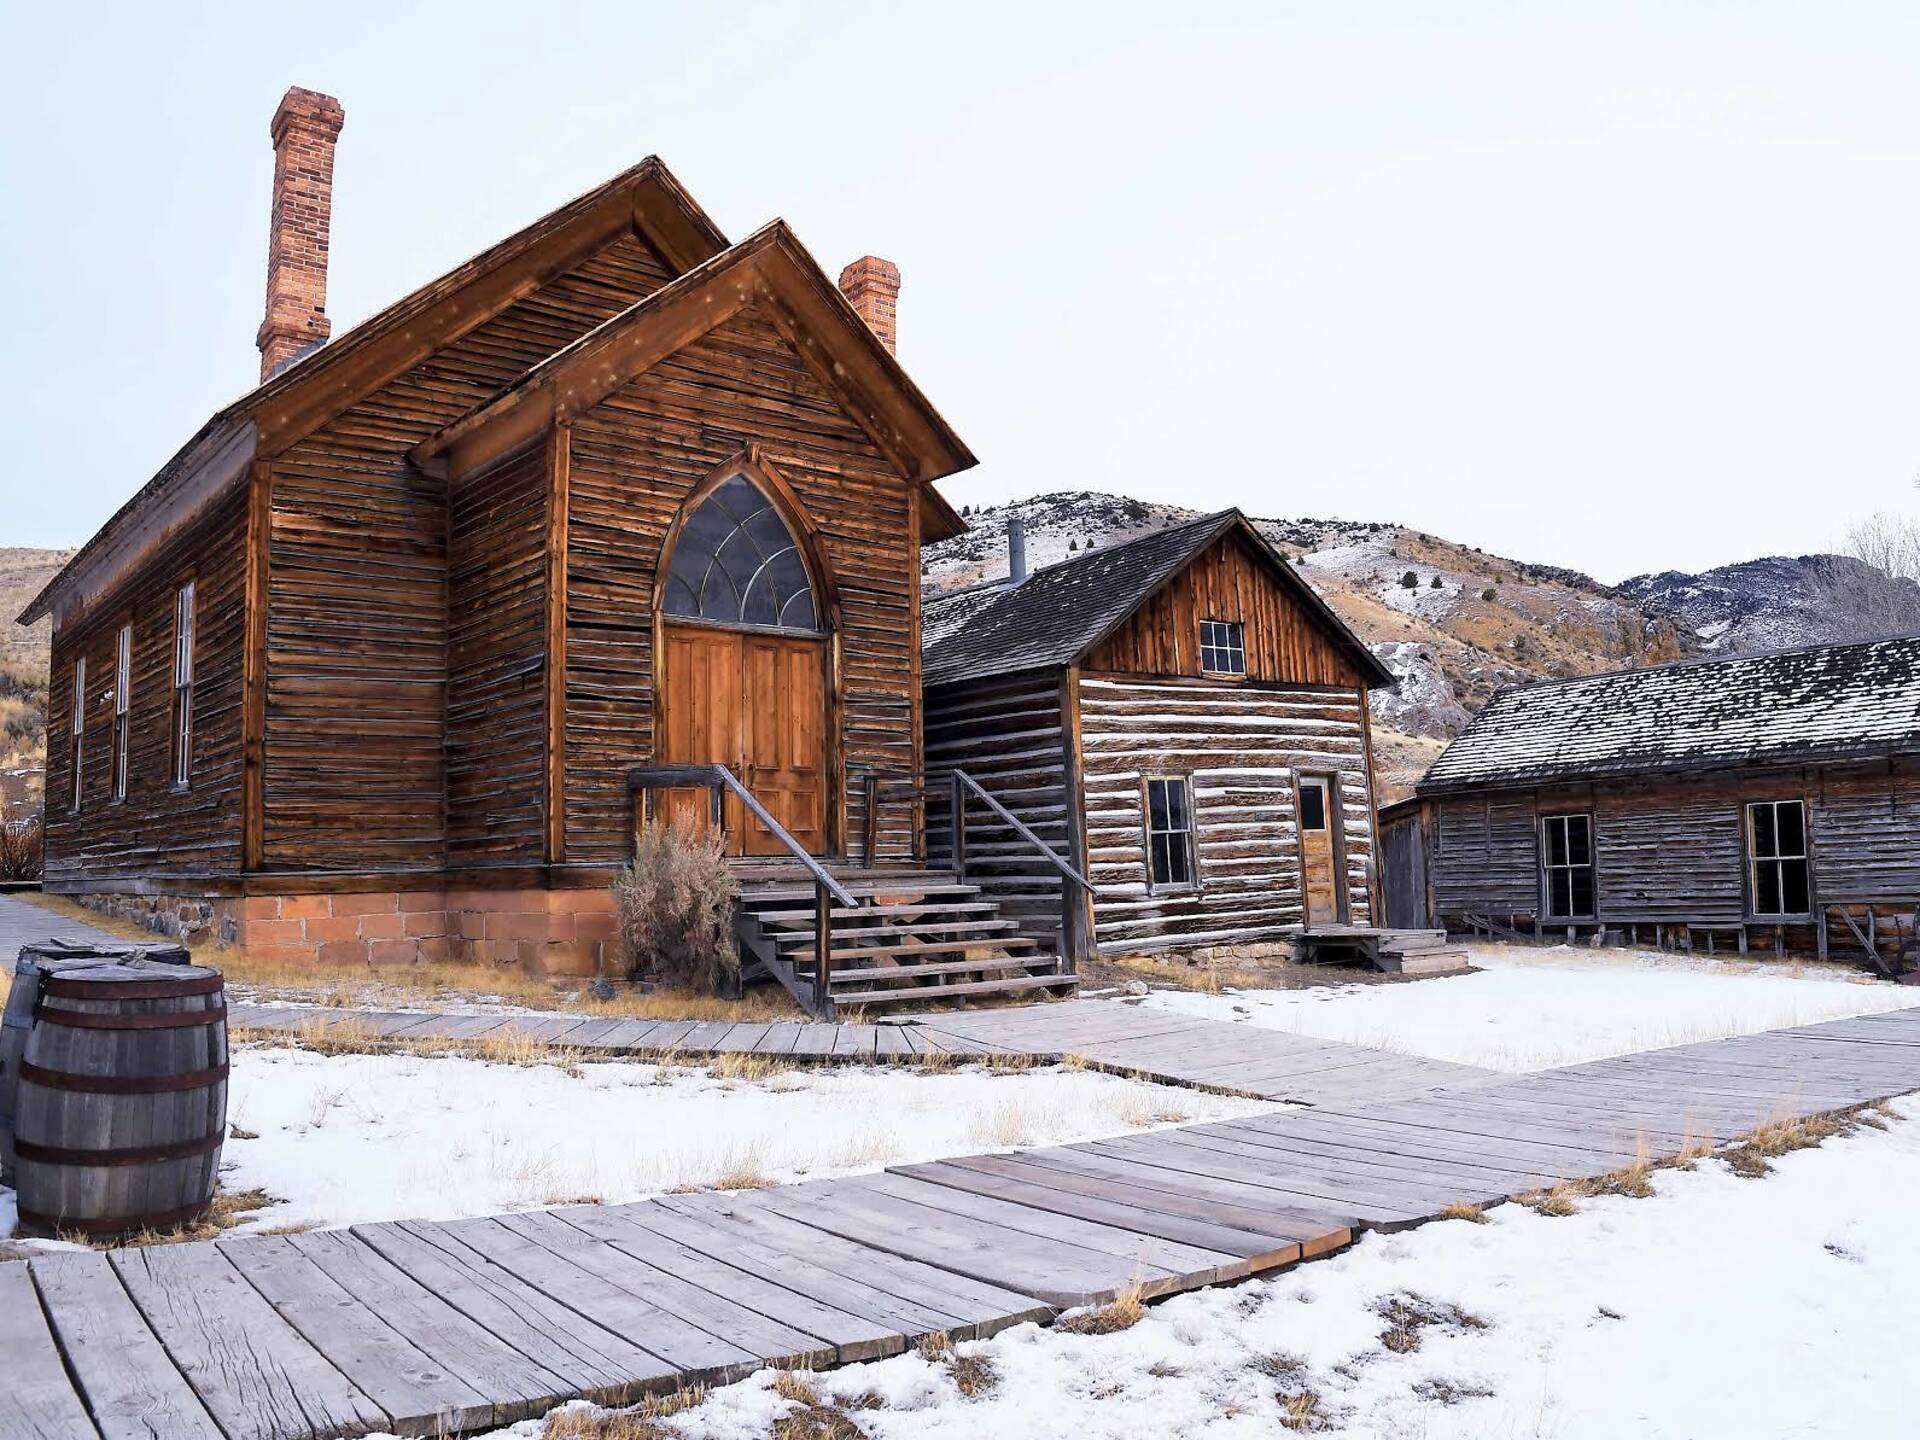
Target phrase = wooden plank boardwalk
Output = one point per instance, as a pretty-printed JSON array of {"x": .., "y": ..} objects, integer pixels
[{"x": 429, "y": 1328}]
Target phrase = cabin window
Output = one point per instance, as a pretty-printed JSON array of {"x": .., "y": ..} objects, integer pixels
[
  {"x": 1170, "y": 832},
  {"x": 122, "y": 685},
  {"x": 183, "y": 686},
  {"x": 1567, "y": 852},
  {"x": 78, "y": 729},
  {"x": 736, "y": 563},
  {"x": 1777, "y": 857},
  {"x": 1223, "y": 647}
]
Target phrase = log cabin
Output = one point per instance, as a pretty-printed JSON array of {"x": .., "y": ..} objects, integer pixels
[
  {"x": 1181, "y": 720},
  {"x": 387, "y": 661},
  {"x": 1764, "y": 802}
]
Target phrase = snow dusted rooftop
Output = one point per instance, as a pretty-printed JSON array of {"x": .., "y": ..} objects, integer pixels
[{"x": 1828, "y": 702}]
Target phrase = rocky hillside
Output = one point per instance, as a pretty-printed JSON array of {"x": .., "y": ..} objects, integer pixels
[
  {"x": 1452, "y": 622},
  {"x": 23, "y": 674}
]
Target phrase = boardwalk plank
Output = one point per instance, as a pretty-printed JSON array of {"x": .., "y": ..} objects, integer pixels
[{"x": 37, "y": 1400}]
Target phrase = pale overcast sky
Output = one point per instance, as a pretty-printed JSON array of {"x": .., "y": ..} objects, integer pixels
[{"x": 1621, "y": 287}]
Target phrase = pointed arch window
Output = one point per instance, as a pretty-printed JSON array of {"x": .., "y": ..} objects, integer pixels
[{"x": 736, "y": 563}]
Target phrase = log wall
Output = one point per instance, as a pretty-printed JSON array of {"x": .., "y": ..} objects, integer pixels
[
  {"x": 1242, "y": 746},
  {"x": 159, "y": 832},
  {"x": 635, "y": 459}
]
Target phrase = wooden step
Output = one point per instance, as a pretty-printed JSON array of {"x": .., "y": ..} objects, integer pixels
[
  {"x": 751, "y": 896},
  {"x": 930, "y": 993},
  {"x": 803, "y": 959},
  {"x": 869, "y": 974},
  {"x": 841, "y": 912},
  {"x": 789, "y": 939}
]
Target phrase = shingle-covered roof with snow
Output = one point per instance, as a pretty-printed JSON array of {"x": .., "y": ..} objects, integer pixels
[
  {"x": 1056, "y": 615},
  {"x": 1829, "y": 702}
]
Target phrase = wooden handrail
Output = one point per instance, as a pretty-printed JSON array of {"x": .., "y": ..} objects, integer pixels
[
  {"x": 878, "y": 785},
  {"x": 962, "y": 778}
]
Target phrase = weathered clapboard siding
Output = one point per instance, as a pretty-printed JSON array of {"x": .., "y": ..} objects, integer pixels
[
  {"x": 160, "y": 829},
  {"x": 496, "y": 663},
  {"x": 1866, "y": 823},
  {"x": 1226, "y": 582},
  {"x": 355, "y": 741},
  {"x": 1005, "y": 732},
  {"x": 1670, "y": 850},
  {"x": 1485, "y": 856},
  {"x": 635, "y": 459},
  {"x": 1242, "y": 747}
]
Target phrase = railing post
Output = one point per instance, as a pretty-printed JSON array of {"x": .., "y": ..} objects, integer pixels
[
  {"x": 822, "y": 950},
  {"x": 719, "y": 807},
  {"x": 958, "y": 816},
  {"x": 870, "y": 829}
]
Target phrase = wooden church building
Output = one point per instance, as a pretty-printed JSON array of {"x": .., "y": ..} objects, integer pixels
[
  {"x": 364, "y": 671},
  {"x": 1179, "y": 718}
]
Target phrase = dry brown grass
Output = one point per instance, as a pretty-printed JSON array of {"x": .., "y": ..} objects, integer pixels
[
  {"x": 972, "y": 1374},
  {"x": 1123, "y": 1312},
  {"x": 1562, "y": 1200},
  {"x": 69, "y": 910},
  {"x": 1749, "y": 1158},
  {"x": 1408, "y": 1314},
  {"x": 1471, "y": 1213},
  {"x": 229, "y": 1208},
  {"x": 636, "y": 1422}
]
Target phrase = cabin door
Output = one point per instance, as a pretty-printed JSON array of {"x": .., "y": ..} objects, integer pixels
[
  {"x": 756, "y": 704},
  {"x": 1319, "y": 870}
]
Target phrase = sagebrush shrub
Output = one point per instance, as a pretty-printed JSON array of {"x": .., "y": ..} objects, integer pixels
[
  {"x": 22, "y": 847},
  {"x": 675, "y": 903}
]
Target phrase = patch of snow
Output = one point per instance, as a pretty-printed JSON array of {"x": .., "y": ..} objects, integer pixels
[
  {"x": 1530, "y": 1008},
  {"x": 1711, "y": 633},
  {"x": 1718, "y": 1306}
]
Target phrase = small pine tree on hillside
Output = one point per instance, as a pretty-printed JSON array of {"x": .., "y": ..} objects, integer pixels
[
  {"x": 1072, "y": 546},
  {"x": 1409, "y": 581},
  {"x": 1438, "y": 583}
]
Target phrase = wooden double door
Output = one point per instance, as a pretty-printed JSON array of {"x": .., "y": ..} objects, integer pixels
[{"x": 756, "y": 703}]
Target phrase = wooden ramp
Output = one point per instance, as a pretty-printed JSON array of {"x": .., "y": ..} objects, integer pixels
[{"x": 428, "y": 1328}]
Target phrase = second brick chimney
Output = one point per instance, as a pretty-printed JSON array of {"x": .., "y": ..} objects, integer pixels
[
  {"x": 305, "y": 129},
  {"x": 873, "y": 285}
]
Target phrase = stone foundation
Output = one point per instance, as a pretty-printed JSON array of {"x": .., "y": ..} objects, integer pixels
[{"x": 546, "y": 932}]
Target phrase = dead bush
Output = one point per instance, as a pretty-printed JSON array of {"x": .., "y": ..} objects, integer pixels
[
  {"x": 1126, "y": 1311},
  {"x": 675, "y": 903},
  {"x": 22, "y": 846}
]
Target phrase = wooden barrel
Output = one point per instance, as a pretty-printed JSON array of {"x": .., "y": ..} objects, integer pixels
[
  {"x": 35, "y": 961},
  {"x": 122, "y": 1099}
]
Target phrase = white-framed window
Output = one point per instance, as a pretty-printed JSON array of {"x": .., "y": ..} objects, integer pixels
[
  {"x": 78, "y": 729},
  {"x": 122, "y": 694},
  {"x": 183, "y": 686},
  {"x": 1566, "y": 857},
  {"x": 1223, "y": 647},
  {"x": 1777, "y": 857},
  {"x": 1169, "y": 832}
]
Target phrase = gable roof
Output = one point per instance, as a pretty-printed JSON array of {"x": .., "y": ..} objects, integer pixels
[
  {"x": 326, "y": 380},
  {"x": 1057, "y": 615},
  {"x": 1822, "y": 703},
  {"x": 770, "y": 268}
]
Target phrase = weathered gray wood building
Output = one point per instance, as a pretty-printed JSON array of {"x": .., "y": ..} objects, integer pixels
[
  {"x": 1769, "y": 800},
  {"x": 1181, "y": 717}
]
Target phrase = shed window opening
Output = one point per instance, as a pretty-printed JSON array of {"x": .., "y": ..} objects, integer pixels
[
  {"x": 1568, "y": 853},
  {"x": 736, "y": 563},
  {"x": 1777, "y": 853},
  {"x": 1313, "y": 805},
  {"x": 1170, "y": 832},
  {"x": 183, "y": 686},
  {"x": 78, "y": 730},
  {"x": 122, "y": 688},
  {"x": 1223, "y": 647}
]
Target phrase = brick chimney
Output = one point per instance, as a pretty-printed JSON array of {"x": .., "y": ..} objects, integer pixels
[
  {"x": 873, "y": 285},
  {"x": 305, "y": 130}
]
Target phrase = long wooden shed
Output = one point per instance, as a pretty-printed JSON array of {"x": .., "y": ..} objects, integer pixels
[
  {"x": 1761, "y": 801},
  {"x": 1181, "y": 718}
]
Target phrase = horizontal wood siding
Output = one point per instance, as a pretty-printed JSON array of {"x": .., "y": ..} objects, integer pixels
[
  {"x": 1671, "y": 850},
  {"x": 1242, "y": 746},
  {"x": 1006, "y": 733},
  {"x": 159, "y": 831},
  {"x": 358, "y": 636},
  {"x": 1866, "y": 835},
  {"x": 1485, "y": 856},
  {"x": 636, "y": 457},
  {"x": 1284, "y": 642},
  {"x": 496, "y": 664}
]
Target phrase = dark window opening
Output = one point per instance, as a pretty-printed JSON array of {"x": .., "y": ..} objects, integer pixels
[
  {"x": 1223, "y": 649},
  {"x": 1170, "y": 832},
  {"x": 183, "y": 686},
  {"x": 1777, "y": 855},
  {"x": 79, "y": 730},
  {"x": 1313, "y": 806},
  {"x": 122, "y": 686},
  {"x": 1567, "y": 853},
  {"x": 736, "y": 563}
]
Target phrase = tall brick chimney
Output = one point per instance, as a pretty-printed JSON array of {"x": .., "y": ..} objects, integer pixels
[
  {"x": 873, "y": 285},
  {"x": 305, "y": 130}
]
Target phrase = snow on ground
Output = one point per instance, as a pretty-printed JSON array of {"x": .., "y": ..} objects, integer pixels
[
  {"x": 1530, "y": 1008},
  {"x": 348, "y": 1138},
  {"x": 1719, "y": 1306}
]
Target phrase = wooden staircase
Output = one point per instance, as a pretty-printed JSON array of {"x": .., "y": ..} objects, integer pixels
[
  {"x": 912, "y": 937},
  {"x": 1399, "y": 952}
]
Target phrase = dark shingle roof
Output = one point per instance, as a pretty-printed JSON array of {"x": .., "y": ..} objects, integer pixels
[
  {"x": 1056, "y": 615},
  {"x": 1829, "y": 702}
]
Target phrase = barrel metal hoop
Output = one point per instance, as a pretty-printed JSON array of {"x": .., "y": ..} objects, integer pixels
[
  {"x": 92, "y": 1020},
  {"x": 117, "y": 1224},
  {"x": 129, "y": 989},
  {"x": 136, "y": 1155},
  {"x": 119, "y": 1084}
]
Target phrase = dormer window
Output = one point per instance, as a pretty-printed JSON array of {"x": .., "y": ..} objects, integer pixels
[{"x": 1223, "y": 647}]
